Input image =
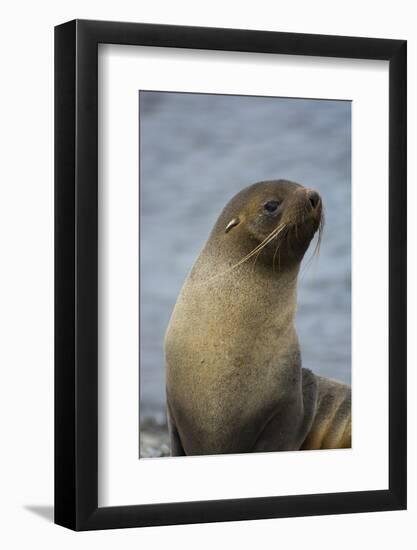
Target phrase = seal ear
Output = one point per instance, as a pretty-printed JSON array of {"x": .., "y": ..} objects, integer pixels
[{"x": 233, "y": 223}]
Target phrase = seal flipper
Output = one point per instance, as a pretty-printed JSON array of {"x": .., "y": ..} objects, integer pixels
[
  {"x": 331, "y": 428},
  {"x": 281, "y": 432},
  {"x": 310, "y": 399}
]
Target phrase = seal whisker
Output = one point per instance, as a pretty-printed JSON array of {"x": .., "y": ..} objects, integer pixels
[
  {"x": 269, "y": 241},
  {"x": 266, "y": 241},
  {"x": 258, "y": 248},
  {"x": 289, "y": 242},
  {"x": 273, "y": 258},
  {"x": 256, "y": 257},
  {"x": 316, "y": 251},
  {"x": 279, "y": 243},
  {"x": 320, "y": 236}
]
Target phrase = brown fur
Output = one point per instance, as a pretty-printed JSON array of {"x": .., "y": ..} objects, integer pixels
[{"x": 233, "y": 366}]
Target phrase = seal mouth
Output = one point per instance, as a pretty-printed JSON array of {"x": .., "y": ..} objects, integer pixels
[{"x": 305, "y": 205}]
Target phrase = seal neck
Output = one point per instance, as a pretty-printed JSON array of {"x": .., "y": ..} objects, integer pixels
[{"x": 262, "y": 296}]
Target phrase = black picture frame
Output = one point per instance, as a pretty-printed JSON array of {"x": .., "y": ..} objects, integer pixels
[{"x": 76, "y": 272}]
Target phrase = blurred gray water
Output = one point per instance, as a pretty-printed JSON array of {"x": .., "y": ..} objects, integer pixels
[{"x": 196, "y": 152}]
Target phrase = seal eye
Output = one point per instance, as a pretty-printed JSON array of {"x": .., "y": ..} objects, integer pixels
[{"x": 271, "y": 206}]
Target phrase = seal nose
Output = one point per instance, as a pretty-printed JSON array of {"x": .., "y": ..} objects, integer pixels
[{"x": 313, "y": 198}]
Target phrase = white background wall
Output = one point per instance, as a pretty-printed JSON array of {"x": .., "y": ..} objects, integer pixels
[{"x": 26, "y": 289}]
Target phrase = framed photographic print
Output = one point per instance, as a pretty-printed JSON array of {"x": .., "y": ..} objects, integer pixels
[{"x": 230, "y": 338}]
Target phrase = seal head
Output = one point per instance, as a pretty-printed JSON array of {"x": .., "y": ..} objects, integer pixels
[{"x": 279, "y": 214}]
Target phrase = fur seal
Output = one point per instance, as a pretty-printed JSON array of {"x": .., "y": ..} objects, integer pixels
[{"x": 234, "y": 380}]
